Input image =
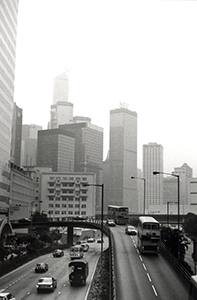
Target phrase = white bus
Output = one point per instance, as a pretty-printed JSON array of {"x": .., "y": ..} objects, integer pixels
[
  {"x": 118, "y": 213},
  {"x": 193, "y": 288},
  {"x": 148, "y": 235}
]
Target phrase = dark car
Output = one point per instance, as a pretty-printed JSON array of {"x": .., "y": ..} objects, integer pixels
[
  {"x": 58, "y": 253},
  {"x": 41, "y": 267},
  {"x": 24, "y": 220},
  {"x": 85, "y": 247},
  {"x": 46, "y": 284}
]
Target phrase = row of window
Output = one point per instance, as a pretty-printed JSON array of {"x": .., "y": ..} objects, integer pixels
[
  {"x": 67, "y": 199},
  {"x": 69, "y": 205},
  {"x": 64, "y": 212}
]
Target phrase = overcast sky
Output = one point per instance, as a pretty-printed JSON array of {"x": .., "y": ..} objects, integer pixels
[{"x": 142, "y": 53}]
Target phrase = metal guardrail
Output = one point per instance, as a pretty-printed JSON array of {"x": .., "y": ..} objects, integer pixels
[
  {"x": 183, "y": 272},
  {"x": 112, "y": 290}
]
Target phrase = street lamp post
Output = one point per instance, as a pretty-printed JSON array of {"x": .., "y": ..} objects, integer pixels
[
  {"x": 168, "y": 202},
  {"x": 144, "y": 190},
  {"x": 178, "y": 196},
  {"x": 102, "y": 202}
]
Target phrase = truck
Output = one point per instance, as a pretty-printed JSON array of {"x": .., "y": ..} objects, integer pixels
[{"x": 79, "y": 270}]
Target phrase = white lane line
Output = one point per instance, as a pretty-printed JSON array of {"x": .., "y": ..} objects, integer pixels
[
  {"x": 140, "y": 258},
  {"x": 154, "y": 290},
  {"x": 149, "y": 278},
  {"x": 144, "y": 267}
]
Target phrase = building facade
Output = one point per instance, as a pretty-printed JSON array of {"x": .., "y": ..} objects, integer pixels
[
  {"x": 15, "y": 155},
  {"x": 153, "y": 161},
  {"x": 29, "y": 144},
  {"x": 66, "y": 195},
  {"x": 88, "y": 152},
  {"x": 61, "y": 109},
  {"x": 56, "y": 149},
  {"x": 122, "y": 160},
  {"x": 8, "y": 33}
]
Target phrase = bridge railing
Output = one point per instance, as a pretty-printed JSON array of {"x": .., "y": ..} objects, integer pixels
[
  {"x": 112, "y": 290},
  {"x": 183, "y": 272}
]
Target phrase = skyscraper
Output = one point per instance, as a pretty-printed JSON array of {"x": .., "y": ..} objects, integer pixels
[
  {"x": 15, "y": 156},
  {"x": 153, "y": 161},
  {"x": 121, "y": 190},
  {"x": 88, "y": 151},
  {"x": 56, "y": 149},
  {"x": 61, "y": 109},
  {"x": 8, "y": 32}
]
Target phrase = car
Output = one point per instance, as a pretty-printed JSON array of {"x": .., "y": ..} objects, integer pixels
[
  {"x": 90, "y": 240},
  {"x": 130, "y": 230},
  {"x": 110, "y": 222},
  {"x": 41, "y": 267},
  {"x": 46, "y": 284},
  {"x": 85, "y": 247},
  {"x": 100, "y": 241},
  {"x": 58, "y": 253},
  {"x": 6, "y": 296}
]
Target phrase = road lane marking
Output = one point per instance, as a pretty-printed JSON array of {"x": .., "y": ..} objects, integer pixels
[
  {"x": 149, "y": 278},
  {"x": 144, "y": 266},
  {"x": 154, "y": 290}
]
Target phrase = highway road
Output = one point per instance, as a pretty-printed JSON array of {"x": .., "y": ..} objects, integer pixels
[
  {"x": 22, "y": 282},
  {"x": 144, "y": 277}
]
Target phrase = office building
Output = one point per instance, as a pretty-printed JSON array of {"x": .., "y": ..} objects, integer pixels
[
  {"x": 61, "y": 109},
  {"x": 8, "y": 33},
  {"x": 88, "y": 151},
  {"x": 56, "y": 150},
  {"x": 15, "y": 155},
  {"x": 153, "y": 161},
  {"x": 29, "y": 144},
  {"x": 64, "y": 195},
  {"x": 121, "y": 190}
]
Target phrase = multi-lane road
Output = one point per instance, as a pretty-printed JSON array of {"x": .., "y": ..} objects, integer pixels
[
  {"x": 22, "y": 282},
  {"x": 144, "y": 277}
]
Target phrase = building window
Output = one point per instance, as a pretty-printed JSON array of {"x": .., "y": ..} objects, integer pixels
[
  {"x": 51, "y": 198},
  {"x": 63, "y": 205},
  {"x": 70, "y": 205},
  {"x": 83, "y": 212},
  {"x": 50, "y": 205},
  {"x": 70, "y": 212},
  {"x": 57, "y": 205},
  {"x": 57, "y": 212},
  {"x": 76, "y": 212},
  {"x": 76, "y": 205},
  {"x": 63, "y": 212},
  {"x": 83, "y": 205}
]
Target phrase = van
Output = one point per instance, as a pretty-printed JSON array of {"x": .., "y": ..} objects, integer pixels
[{"x": 76, "y": 252}]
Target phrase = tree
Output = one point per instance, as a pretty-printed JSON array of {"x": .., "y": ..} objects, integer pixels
[
  {"x": 190, "y": 225},
  {"x": 38, "y": 217}
]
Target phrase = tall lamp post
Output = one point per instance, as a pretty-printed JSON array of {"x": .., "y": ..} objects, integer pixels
[
  {"x": 102, "y": 202},
  {"x": 178, "y": 196},
  {"x": 168, "y": 203},
  {"x": 144, "y": 190}
]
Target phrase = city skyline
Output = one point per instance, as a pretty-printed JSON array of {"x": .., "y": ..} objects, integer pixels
[{"x": 133, "y": 56}]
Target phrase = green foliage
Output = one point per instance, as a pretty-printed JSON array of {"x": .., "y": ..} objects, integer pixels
[{"x": 190, "y": 225}]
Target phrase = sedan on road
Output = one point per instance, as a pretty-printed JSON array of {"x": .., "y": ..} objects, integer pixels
[
  {"x": 58, "y": 253},
  {"x": 41, "y": 267},
  {"x": 6, "y": 296},
  {"x": 130, "y": 230},
  {"x": 46, "y": 284}
]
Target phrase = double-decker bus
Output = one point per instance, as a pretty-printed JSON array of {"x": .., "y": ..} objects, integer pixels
[
  {"x": 148, "y": 235},
  {"x": 193, "y": 288},
  {"x": 118, "y": 213}
]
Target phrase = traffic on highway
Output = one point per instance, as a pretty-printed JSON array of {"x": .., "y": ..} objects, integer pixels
[{"x": 47, "y": 277}]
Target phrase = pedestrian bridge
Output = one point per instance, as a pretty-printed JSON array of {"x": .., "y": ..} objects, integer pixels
[
  {"x": 69, "y": 224},
  {"x": 5, "y": 228}
]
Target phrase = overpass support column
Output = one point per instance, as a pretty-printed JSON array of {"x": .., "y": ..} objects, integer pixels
[{"x": 70, "y": 236}]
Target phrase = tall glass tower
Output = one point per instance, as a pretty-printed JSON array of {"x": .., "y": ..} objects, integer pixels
[
  {"x": 121, "y": 189},
  {"x": 8, "y": 32}
]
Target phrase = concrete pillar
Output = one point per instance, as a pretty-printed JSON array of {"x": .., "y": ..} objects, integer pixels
[{"x": 70, "y": 236}]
